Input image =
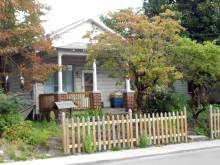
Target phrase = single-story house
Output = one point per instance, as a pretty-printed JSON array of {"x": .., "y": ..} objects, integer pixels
[{"x": 75, "y": 80}]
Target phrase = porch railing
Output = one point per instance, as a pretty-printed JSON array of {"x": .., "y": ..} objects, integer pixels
[{"x": 80, "y": 99}]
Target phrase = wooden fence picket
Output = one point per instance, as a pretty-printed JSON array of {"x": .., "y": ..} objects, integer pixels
[
  {"x": 149, "y": 128},
  {"x": 123, "y": 131},
  {"x": 162, "y": 126},
  {"x": 73, "y": 136},
  {"x": 99, "y": 134},
  {"x": 78, "y": 136},
  {"x": 94, "y": 133},
  {"x": 185, "y": 124},
  {"x": 103, "y": 133},
  {"x": 166, "y": 128}
]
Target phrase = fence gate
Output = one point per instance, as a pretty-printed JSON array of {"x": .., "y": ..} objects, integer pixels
[{"x": 123, "y": 131}]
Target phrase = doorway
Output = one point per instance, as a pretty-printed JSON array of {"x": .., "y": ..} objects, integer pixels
[{"x": 87, "y": 77}]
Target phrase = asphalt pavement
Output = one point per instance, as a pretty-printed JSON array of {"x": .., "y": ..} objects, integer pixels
[{"x": 199, "y": 157}]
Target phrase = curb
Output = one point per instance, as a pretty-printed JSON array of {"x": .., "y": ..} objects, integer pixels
[{"x": 112, "y": 156}]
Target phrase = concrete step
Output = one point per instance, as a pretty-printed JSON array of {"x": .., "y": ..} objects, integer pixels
[{"x": 197, "y": 138}]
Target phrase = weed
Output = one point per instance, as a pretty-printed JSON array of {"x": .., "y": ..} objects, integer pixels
[
  {"x": 88, "y": 147},
  {"x": 144, "y": 141}
]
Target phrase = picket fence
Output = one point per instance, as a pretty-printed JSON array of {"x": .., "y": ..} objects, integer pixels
[
  {"x": 123, "y": 131},
  {"x": 214, "y": 123}
]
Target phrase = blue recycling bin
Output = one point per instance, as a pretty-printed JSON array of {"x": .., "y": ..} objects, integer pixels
[{"x": 117, "y": 102}]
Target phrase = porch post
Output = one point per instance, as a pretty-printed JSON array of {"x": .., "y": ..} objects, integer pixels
[
  {"x": 128, "y": 86},
  {"x": 95, "y": 96},
  {"x": 94, "y": 77},
  {"x": 60, "y": 74},
  {"x": 129, "y": 96}
]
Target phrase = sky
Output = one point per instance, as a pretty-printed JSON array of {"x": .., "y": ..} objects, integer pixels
[{"x": 64, "y": 12}]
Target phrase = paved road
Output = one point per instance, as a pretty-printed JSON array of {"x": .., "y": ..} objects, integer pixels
[{"x": 202, "y": 157}]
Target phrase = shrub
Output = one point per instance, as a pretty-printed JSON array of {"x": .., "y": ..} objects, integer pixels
[
  {"x": 9, "y": 107},
  {"x": 10, "y": 104},
  {"x": 144, "y": 141},
  {"x": 9, "y": 120},
  {"x": 22, "y": 131},
  {"x": 87, "y": 145},
  {"x": 31, "y": 133},
  {"x": 201, "y": 126},
  {"x": 165, "y": 101}
]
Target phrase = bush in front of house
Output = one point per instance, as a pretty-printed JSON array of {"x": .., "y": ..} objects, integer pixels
[
  {"x": 165, "y": 101},
  {"x": 33, "y": 133},
  {"x": 201, "y": 127},
  {"x": 9, "y": 107},
  {"x": 9, "y": 103}
]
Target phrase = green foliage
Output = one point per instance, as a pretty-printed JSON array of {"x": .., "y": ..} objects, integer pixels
[
  {"x": 200, "y": 130},
  {"x": 154, "y": 7},
  {"x": 142, "y": 52},
  {"x": 9, "y": 107},
  {"x": 116, "y": 148},
  {"x": 201, "y": 126},
  {"x": 199, "y": 64},
  {"x": 165, "y": 101},
  {"x": 21, "y": 131},
  {"x": 200, "y": 18},
  {"x": 88, "y": 113},
  {"x": 31, "y": 133},
  {"x": 10, "y": 104},
  {"x": 144, "y": 141},
  {"x": 9, "y": 120},
  {"x": 87, "y": 144}
]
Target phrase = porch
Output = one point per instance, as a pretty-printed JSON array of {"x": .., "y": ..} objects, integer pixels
[{"x": 87, "y": 88}]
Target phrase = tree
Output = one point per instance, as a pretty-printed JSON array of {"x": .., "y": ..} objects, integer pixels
[
  {"x": 199, "y": 64},
  {"x": 139, "y": 52},
  {"x": 154, "y": 7},
  {"x": 201, "y": 18},
  {"x": 21, "y": 34}
]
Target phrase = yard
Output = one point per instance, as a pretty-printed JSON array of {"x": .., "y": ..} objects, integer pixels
[{"x": 90, "y": 131}]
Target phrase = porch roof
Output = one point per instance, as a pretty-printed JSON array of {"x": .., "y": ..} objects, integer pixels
[{"x": 74, "y": 45}]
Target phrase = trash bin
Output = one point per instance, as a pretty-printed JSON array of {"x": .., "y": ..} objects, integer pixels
[{"x": 116, "y": 100}]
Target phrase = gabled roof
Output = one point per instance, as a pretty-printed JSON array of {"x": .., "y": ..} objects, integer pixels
[{"x": 80, "y": 22}]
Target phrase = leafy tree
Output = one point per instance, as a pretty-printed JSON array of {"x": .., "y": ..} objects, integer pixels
[
  {"x": 201, "y": 18},
  {"x": 154, "y": 7},
  {"x": 140, "y": 52},
  {"x": 22, "y": 35},
  {"x": 199, "y": 64}
]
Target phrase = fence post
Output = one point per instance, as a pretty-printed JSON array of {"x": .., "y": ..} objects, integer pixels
[
  {"x": 210, "y": 122},
  {"x": 64, "y": 131}
]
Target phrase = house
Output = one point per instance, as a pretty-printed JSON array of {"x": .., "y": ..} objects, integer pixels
[{"x": 76, "y": 82}]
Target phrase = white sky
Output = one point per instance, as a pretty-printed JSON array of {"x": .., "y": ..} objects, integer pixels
[{"x": 64, "y": 12}]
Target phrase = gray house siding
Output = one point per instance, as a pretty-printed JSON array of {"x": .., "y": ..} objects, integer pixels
[
  {"x": 181, "y": 87},
  {"x": 107, "y": 85}
]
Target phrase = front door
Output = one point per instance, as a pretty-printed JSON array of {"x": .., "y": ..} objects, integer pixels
[{"x": 88, "y": 81}]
